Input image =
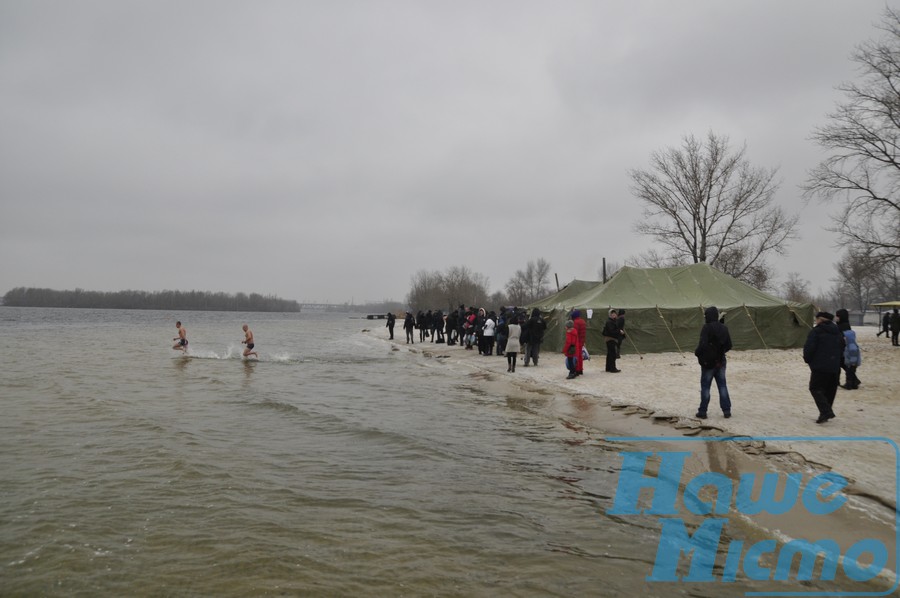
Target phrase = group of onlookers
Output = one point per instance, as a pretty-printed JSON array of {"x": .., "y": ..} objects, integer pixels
[
  {"x": 830, "y": 347},
  {"x": 506, "y": 332}
]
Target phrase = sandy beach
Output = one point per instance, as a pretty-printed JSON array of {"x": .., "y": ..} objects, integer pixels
[{"x": 768, "y": 390}]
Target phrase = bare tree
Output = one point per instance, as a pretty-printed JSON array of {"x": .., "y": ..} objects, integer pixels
[
  {"x": 706, "y": 203},
  {"x": 461, "y": 285},
  {"x": 856, "y": 279},
  {"x": 530, "y": 284},
  {"x": 796, "y": 288},
  {"x": 886, "y": 278},
  {"x": 426, "y": 290},
  {"x": 436, "y": 290},
  {"x": 863, "y": 138}
]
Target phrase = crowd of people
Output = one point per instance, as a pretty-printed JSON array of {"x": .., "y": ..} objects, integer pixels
[
  {"x": 510, "y": 332},
  {"x": 831, "y": 346},
  {"x": 505, "y": 333}
]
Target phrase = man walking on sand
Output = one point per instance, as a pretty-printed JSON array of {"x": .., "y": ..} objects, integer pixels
[
  {"x": 248, "y": 340},
  {"x": 181, "y": 342},
  {"x": 715, "y": 342},
  {"x": 822, "y": 352}
]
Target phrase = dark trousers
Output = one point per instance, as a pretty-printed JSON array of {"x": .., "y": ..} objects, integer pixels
[
  {"x": 706, "y": 378},
  {"x": 852, "y": 381},
  {"x": 612, "y": 352},
  {"x": 823, "y": 388},
  {"x": 532, "y": 350},
  {"x": 894, "y": 335},
  {"x": 391, "y": 330}
]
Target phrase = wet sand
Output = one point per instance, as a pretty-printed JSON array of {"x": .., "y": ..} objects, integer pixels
[{"x": 658, "y": 394}]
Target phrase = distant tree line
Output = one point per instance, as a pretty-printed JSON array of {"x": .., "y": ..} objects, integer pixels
[
  {"x": 163, "y": 300},
  {"x": 459, "y": 285}
]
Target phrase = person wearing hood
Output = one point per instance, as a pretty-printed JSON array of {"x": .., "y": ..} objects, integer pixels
[
  {"x": 580, "y": 329},
  {"x": 715, "y": 342},
  {"x": 851, "y": 357},
  {"x": 822, "y": 352}
]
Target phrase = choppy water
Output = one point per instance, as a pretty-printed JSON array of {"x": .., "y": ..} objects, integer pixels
[{"x": 333, "y": 466}]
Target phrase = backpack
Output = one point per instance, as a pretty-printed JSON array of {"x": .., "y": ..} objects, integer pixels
[
  {"x": 710, "y": 355},
  {"x": 852, "y": 353}
]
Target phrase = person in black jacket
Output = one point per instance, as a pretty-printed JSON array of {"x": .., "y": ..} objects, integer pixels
[
  {"x": 885, "y": 325},
  {"x": 895, "y": 328},
  {"x": 409, "y": 324},
  {"x": 391, "y": 319},
  {"x": 612, "y": 334},
  {"x": 715, "y": 342},
  {"x": 822, "y": 352},
  {"x": 535, "y": 327}
]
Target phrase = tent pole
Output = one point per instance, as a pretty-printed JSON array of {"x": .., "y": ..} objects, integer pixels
[
  {"x": 670, "y": 331},
  {"x": 635, "y": 347},
  {"x": 749, "y": 317}
]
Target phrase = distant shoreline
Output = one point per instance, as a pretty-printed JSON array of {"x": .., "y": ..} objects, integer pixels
[
  {"x": 148, "y": 308},
  {"x": 144, "y": 300}
]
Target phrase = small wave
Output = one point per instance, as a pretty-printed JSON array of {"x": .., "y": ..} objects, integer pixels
[{"x": 237, "y": 354}]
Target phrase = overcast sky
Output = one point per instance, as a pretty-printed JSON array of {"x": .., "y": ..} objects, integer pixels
[{"x": 328, "y": 150}]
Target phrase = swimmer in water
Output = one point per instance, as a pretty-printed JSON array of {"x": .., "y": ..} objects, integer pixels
[
  {"x": 248, "y": 340},
  {"x": 181, "y": 342}
]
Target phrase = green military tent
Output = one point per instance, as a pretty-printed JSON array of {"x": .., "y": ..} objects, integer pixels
[{"x": 664, "y": 310}]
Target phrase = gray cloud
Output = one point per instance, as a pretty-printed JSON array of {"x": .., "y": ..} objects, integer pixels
[{"x": 330, "y": 150}]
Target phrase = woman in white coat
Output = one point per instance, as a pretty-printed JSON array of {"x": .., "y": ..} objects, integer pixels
[
  {"x": 490, "y": 326},
  {"x": 512, "y": 344}
]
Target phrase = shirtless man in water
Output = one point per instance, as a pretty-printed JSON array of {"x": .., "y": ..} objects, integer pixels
[
  {"x": 181, "y": 343},
  {"x": 248, "y": 340}
]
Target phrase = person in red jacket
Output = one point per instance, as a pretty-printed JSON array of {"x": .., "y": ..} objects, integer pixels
[
  {"x": 581, "y": 329},
  {"x": 570, "y": 349}
]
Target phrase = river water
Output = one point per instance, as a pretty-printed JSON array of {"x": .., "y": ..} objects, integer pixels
[{"x": 332, "y": 466}]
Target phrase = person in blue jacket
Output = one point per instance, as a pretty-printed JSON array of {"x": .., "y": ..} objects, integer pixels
[{"x": 852, "y": 358}]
